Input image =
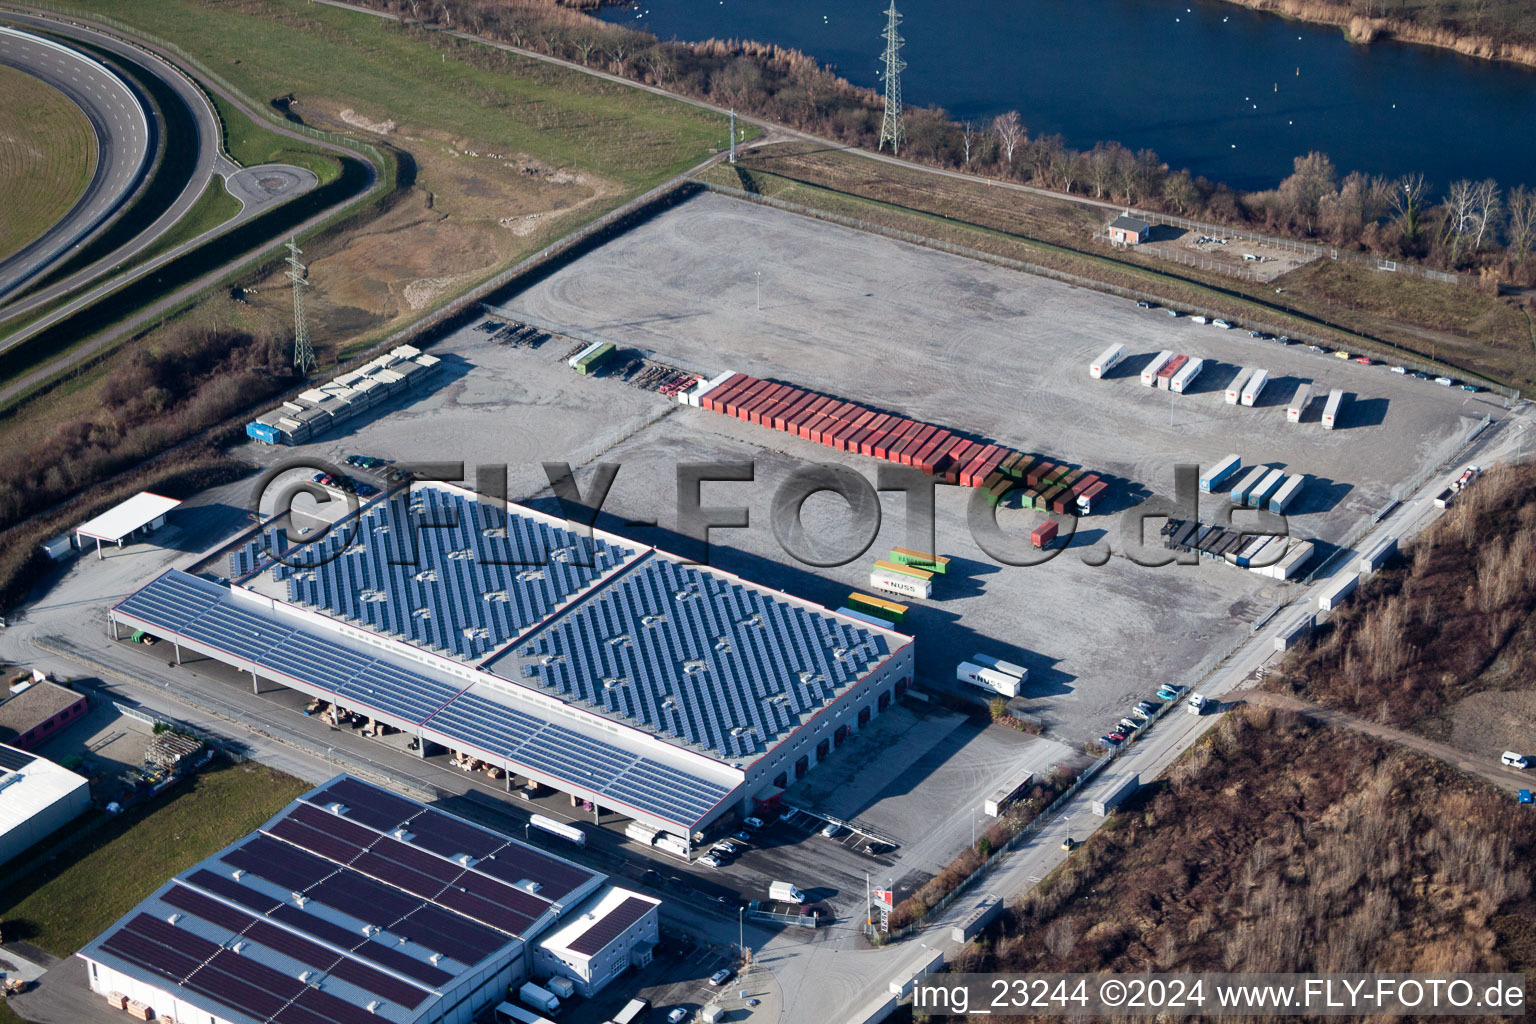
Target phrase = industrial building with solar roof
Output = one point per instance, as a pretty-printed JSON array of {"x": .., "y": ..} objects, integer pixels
[
  {"x": 356, "y": 906},
  {"x": 668, "y": 692}
]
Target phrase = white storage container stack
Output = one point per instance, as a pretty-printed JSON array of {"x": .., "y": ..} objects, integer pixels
[
  {"x": 900, "y": 584},
  {"x": 694, "y": 396},
  {"x": 1334, "y": 409},
  {"x": 318, "y": 409},
  {"x": 1296, "y": 556}
]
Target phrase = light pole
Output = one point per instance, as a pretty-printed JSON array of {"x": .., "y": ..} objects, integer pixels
[
  {"x": 741, "y": 932},
  {"x": 759, "y": 275}
]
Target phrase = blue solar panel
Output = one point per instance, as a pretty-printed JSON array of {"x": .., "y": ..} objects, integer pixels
[
  {"x": 440, "y": 569},
  {"x": 706, "y": 661}
]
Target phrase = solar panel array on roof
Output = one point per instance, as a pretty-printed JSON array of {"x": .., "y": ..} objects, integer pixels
[
  {"x": 440, "y": 569},
  {"x": 239, "y": 982},
  {"x": 181, "y": 604},
  {"x": 318, "y": 927},
  {"x": 447, "y": 836},
  {"x": 610, "y": 925},
  {"x": 13, "y": 760},
  {"x": 706, "y": 660}
]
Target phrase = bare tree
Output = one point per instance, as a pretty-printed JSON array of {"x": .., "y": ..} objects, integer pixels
[
  {"x": 1045, "y": 154},
  {"x": 1010, "y": 132},
  {"x": 1486, "y": 201},
  {"x": 967, "y": 137},
  {"x": 1520, "y": 229},
  {"x": 1407, "y": 198},
  {"x": 1312, "y": 181},
  {"x": 1181, "y": 192},
  {"x": 1460, "y": 217}
]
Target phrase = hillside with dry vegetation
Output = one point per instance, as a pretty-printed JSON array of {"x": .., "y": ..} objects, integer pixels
[
  {"x": 1444, "y": 642},
  {"x": 1279, "y": 844}
]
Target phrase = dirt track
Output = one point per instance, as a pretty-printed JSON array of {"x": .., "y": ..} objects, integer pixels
[{"x": 1507, "y": 779}]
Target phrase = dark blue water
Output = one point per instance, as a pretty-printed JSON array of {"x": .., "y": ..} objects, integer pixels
[{"x": 1210, "y": 86}]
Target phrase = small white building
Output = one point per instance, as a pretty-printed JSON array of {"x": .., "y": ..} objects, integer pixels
[
  {"x": 37, "y": 798},
  {"x": 618, "y": 930},
  {"x": 143, "y": 513}
]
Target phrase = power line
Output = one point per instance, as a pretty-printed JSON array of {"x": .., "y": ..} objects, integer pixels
[
  {"x": 892, "y": 128},
  {"x": 303, "y": 354}
]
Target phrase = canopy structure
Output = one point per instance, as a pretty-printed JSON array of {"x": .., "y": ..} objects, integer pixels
[{"x": 120, "y": 522}]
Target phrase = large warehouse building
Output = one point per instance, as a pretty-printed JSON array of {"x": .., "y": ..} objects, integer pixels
[
  {"x": 37, "y": 798},
  {"x": 668, "y": 692},
  {"x": 356, "y": 906}
]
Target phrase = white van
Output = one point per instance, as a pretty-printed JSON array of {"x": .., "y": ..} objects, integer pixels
[{"x": 1514, "y": 760}]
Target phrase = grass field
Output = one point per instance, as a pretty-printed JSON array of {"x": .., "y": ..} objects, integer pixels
[
  {"x": 275, "y": 48},
  {"x": 47, "y": 156},
  {"x": 250, "y": 144},
  {"x": 72, "y": 896}
]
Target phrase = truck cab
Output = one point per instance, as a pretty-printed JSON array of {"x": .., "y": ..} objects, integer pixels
[{"x": 1196, "y": 704}]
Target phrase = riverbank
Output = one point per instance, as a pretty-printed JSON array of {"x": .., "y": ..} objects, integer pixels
[{"x": 1365, "y": 30}]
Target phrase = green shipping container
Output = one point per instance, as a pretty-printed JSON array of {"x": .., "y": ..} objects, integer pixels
[
  {"x": 920, "y": 560},
  {"x": 596, "y": 359}
]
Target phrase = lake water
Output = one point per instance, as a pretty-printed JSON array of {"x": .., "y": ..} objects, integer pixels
[{"x": 1229, "y": 93}]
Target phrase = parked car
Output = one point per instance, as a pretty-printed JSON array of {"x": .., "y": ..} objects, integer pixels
[
  {"x": 1108, "y": 739},
  {"x": 1400, "y": 369},
  {"x": 1118, "y": 737},
  {"x": 876, "y": 849},
  {"x": 752, "y": 822},
  {"x": 743, "y": 836},
  {"x": 1127, "y": 725},
  {"x": 365, "y": 489},
  {"x": 1285, "y": 340},
  {"x": 1145, "y": 706},
  {"x": 1444, "y": 382},
  {"x": 1069, "y": 844},
  {"x": 1143, "y": 304},
  {"x": 831, "y": 830},
  {"x": 1169, "y": 692},
  {"x": 1514, "y": 760},
  {"x": 677, "y": 1015},
  {"x": 720, "y": 977},
  {"x": 1255, "y": 334},
  {"x": 1474, "y": 388},
  {"x": 1222, "y": 324},
  {"x": 726, "y": 847},
  {"x": 322, "y": 478},
  {"x": 1174, "y": 312},
  {"x": 709, "y": 860}
]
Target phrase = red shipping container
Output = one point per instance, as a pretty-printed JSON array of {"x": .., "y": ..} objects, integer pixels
[
  {"x": 1038, "y": 472},
  {"x": 892, "y": 438},
  {"x": 712, "y": 399},
  {"x": 1042, "y": 535},
  {"x": 1085, "y": 483},
  {"x": 877, "y": 429},
  {"x": 774, "y": 417},
  {"x": 854, "y": 441},
  {"x": 938, "y": 442},
  {"x": 971, "y": 475},
  {"x": 810, "y": 429},
  {"x": 911, "y": 447},
  {"x": 811, "y": 409},
  {"x": 771, "y": 397},
  {"x": 962, "y": 451},
  {"x": 719, "y": 399},
  {"x": 990, "y": 464},
  {"x": 823, "y": 425},
  {"x": 744, "y": 395},
  {"x": 836, "y": 437},
  {"x": 870, "y": 443}
]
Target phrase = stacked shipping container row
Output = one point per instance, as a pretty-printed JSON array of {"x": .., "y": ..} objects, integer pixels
[
  {"x": 318, "y": 409},
  {"x": 848, "y": 426}
]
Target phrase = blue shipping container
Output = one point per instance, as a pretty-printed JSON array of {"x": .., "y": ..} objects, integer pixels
[
  {"x": 263, "y": 432},
  {"x": 1223, "y": 471}
]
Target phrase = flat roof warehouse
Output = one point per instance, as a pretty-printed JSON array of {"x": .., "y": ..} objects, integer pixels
[{"x": 661, "y": 690}]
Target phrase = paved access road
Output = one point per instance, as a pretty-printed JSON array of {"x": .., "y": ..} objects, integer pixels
[{"x": 125, "y": 142}]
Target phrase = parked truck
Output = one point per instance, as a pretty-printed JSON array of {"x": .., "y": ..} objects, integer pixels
[
  {"x": 1090, "y": 494},
  {"x": 645, "y": 835},
  {"x": 1289, "y": 491},
  {"x": 1114, "y": 793},
  {"x": 1107, "y": 361},
  {"x": 538, "y": 997},
  {"x": 1235, "y": 389},
  {"x": 1254, "y": 386},
  {"x": 1378, "y": 556},
  {"x": 563, "y": 988},
  {"x": 1019, "y": 672},
  {"x": 902, "y": 586},
  {"x": 784, "y": 892},
  {"x": 570, "y": 833},
  {"x": 1181, "y": 380},
  {"x": 988, "y": 678},
  {"x": 1335, "y": 593},
  {"x": 1171, "y": 367},
  {"x": 1150, "y": 371},
  {"x": 1249, "y": 481},
  {"x": 1299, "y": 402},
  {"x": 1334, "y": 410},
  {"x": 1043, "y": 535},
  {"x": 1220, "y": 473},
  {"x": 1269, "y": 485}
]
